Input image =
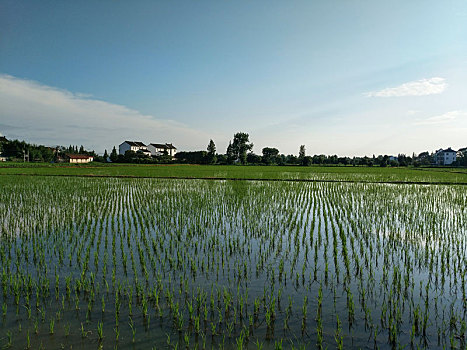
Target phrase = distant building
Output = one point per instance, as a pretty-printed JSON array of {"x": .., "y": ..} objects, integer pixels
[
  {"x": 134, "y": 146},
  {"x": 392, "y": 158},
  {"x": 444, "y": 156},
  {"x": 78, "y": 158},
  {"x": 2, "y": 158},
  {"x": 158, "y": 149}
]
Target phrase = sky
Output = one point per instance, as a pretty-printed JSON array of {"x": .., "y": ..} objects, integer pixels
[{"x": 353, "y": 78}]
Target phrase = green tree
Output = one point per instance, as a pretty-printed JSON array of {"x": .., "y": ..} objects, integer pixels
[
  {"x": 221, "y": 159},
  {"x": 193, "y": 157},
  {"x": 301, "y": 152},
  {"x": 211, "y": 156},
  {"x": 252, "y": 158},
  {"x": 114, "y": 155},
  {"x": 230, "y": 154},
  {"x": 130, "y": 157},
  {"x": 106, "y": 155},
  {"x": 241, "y": 145},
  {"x": 269, "y": 155},
  {"x": 307, "y": 160},
  {"x": 462, "y": 158},
  {"x": 302, "y": 156}
]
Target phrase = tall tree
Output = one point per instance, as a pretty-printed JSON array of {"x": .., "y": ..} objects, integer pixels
[
  {"x": 114, "y": 155},
  {"x": 301, "y": 152},
  {"x": 302, "y": 156},
  {"x": 230, "y": 154},
  {"x": 241, "y": 144},
  {"x": 106, "y": 155},
  {"x": 211, "y": 156}
]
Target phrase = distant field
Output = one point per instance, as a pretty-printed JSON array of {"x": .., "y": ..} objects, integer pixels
[{"x": 314, "y": 173}]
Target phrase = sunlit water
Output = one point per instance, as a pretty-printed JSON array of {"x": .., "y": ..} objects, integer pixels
[{"x": 201, "y": 264}]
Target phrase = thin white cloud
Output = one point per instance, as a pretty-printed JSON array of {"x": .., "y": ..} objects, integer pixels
[
  {"x": 48, "y": 115},
  {"x": 442, "y": 119},
  {"x": 421, "y": 87}
]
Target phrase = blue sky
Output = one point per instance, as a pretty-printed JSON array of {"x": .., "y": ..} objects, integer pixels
[{"x": 346, "y": 77}]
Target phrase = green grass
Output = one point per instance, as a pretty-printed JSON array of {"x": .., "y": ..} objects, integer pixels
[{"x": 315, "y": 173}]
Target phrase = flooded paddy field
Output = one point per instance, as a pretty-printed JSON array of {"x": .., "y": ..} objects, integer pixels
[{"x": 198, "y": 264}]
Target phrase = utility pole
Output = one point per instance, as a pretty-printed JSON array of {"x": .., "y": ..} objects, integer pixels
[{"x": 25, "y": 156}]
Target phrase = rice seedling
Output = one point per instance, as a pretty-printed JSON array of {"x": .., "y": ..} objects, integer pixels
[
  {"x": 229, "y": 258},
  {"x": 9, "y": 339},
  {"x": 84, "y": 333},
  {"x": 51, "y": 326},
  {"x": 133, "y": 330},
  {"x": 100, "y": 331},
  {"x": 66, "y": 329}
]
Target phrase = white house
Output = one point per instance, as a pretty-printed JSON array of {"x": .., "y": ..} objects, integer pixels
[
  {"x": 158, "y": 149},
  {"x": 445, "y": 156},
  {"x": 78, "y": 158},
  {"x": 134, "y": 146}
]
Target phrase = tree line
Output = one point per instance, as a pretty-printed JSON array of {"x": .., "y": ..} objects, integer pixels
[
  {"x": 239, "y": 151},
  {"x": 17, "y": 150}
]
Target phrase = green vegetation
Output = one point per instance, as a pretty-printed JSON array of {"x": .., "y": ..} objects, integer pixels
[
  {"x": 314, "y": 173},
  {"x": 17, "y": 150},
  {"x": 191, "y": 264},
  {"x": 211, "y": 155}
]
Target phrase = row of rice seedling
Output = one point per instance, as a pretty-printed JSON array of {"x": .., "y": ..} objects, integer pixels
[{"x": 233, "y": 264}]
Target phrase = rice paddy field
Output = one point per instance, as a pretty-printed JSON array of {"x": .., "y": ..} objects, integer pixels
[
  {"x": 440, "y": 175},
  {"x": 148, "y": 263}
]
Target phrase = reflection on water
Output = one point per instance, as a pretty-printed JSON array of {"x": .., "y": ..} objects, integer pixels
[{"x": 231, "y": 264}]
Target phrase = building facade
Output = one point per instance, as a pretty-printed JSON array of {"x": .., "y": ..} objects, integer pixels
[
  {"x": 134, "y": 146},
  {"x": 158, "y": 149},
  {"x": 78, "y": 158},
  {"x": 445, "y": 156}
]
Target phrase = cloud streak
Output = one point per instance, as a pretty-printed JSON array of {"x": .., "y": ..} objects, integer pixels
[
  {"x": 48, "y": 115},
  {"x": 421, "y": 87},
  {"x": 442, "y": 119}
]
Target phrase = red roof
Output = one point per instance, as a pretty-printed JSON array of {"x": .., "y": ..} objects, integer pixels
[{"x": 78, "y": 156}]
